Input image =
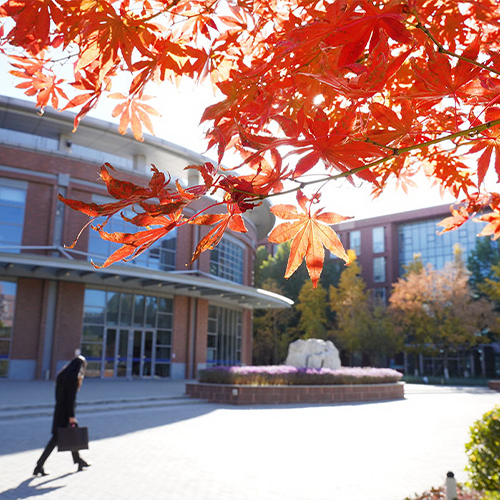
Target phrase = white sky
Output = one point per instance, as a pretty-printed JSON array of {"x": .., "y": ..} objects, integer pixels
[{"x": 181, "y": 111}]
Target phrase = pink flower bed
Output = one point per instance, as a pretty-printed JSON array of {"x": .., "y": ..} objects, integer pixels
[{"x": 289, "y": 375}]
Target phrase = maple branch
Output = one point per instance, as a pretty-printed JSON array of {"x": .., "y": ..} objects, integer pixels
[
  {"x": 470, "y": 131},
  {"x": 442, "y": 50},
  {"x": 160, "y": 12},
  {"x": 396, "y": 152},
  {"x": 203, "y": 210},
  {"x": 375, "y": 143}
]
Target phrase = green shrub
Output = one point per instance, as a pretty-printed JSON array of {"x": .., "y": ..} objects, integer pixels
[{"x": 484, "y": 454}]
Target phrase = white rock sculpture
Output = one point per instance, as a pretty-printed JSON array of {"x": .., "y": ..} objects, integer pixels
[{"x": 313, "y": 353}]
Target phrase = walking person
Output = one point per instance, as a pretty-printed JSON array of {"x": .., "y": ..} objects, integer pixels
[{"x": 68, "y": 382}]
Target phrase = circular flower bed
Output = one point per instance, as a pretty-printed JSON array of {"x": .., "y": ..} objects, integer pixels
[{"x": 289, "y": 375}]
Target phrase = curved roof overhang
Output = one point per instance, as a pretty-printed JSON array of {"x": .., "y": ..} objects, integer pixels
[{"x": 62, "y": 267}]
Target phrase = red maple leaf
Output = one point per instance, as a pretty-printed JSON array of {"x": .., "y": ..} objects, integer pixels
[
  {"x": 38, "y": 82},
  {"x": 310, "y": 233},
  {"x": 332, "y": 145},
  {"x": 493, "y": 227},
  {"x": 133, "y": 244},
  {"x": 490, "y": 143},
  {"x": 268, "y": 177},
  {"x": 135, "y": 113},
  {"x": 395, "y": 128},
  {"x": 355, "y": 35},
  {"x": 439, "y": 79},
  {"x": 232, "y": 220}
]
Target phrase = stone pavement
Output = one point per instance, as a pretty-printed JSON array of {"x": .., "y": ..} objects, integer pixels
[
  {"x": 20, "y": 399},
  {"x": 201, "y": 451}
]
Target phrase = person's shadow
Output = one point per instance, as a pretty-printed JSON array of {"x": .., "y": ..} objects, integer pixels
[{"x": 27, "y": 490}]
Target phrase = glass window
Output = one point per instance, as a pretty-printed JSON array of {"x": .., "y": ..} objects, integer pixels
[
  {"x": 114, "y": 311},
  {"x": 226, "y": 261},
  {"x": 165, "y": 305},
  {"x": 379, "y": 269},
  {"x": 126, "y": 309},
  {"x": 355, "y": 242},
  {"x": 378, "y": 235},
  {"x": 223, "y": 336},
  {"x": 94, "y": 306},
  {"x": 164, "y": 320},
  {"x": 163, "y": 337},
  {"x": 150, "y": 311},
  {"x": 93, "y": 333},
  {"x": 161, "y": 255},
  {"x": 12, "y": 204},
  {"x": 7, "y": 304},
  {"x": 435, "y": 249},
  {"x": 380, "y": 295},
  {"x": 113, "y": 307},
  {"x": 139, "y": 303}
]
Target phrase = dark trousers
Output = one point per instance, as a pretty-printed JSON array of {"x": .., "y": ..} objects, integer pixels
[{"x": 50, "y": 447}]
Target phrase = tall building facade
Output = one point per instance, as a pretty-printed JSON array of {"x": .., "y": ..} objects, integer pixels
[
  {"x": 155, "y": 316},
  {"x": 385, "y": 245}
]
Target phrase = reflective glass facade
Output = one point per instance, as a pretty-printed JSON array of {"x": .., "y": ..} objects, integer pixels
[
  {"x": 226, "y": 261},
  {"x": 12, "y": 203},
  {"x": 7, "y": 303},
  {"x": 127, "y": 335},
  {"x": 223, "y": 336},
  {"x": 422, "y": 238}
]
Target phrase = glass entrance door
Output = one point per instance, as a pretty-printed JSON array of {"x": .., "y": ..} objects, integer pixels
[
  {"x": 129, "y": 353},
  {"x": 142, "y": 352},
  {"x": 132, "y": 353},
  {"x": 117, "y": 353},
  {"x": 122, "y": 357}
]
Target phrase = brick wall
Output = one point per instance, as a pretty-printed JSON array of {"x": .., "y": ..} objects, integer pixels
[
  {"x": 494, "y": 385},
  {"x": 38, "y": 221},
  {"x": 28, "y": 328},
  {"x": 68, "y": 322},
  {"x": 248, "y": 394}
]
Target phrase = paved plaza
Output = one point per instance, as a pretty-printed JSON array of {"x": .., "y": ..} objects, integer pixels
[{"x": 191, "y": 450}]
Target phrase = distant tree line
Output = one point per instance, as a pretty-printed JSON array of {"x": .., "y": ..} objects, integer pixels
[{"x": 434, "y": 314}]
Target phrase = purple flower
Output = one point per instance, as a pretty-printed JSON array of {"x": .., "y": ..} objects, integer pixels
[{"x": 289, "y": 375}]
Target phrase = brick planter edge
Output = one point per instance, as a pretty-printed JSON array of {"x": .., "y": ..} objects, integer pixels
[
  {"x": 494, "y": 385},
  {"x": 278, "y": 394}
]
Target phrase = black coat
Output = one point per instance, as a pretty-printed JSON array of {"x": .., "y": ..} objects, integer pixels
[{"x": 67, "y": 384}]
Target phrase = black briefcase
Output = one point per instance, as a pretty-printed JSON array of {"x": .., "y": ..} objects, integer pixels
[{"x": 72, "y": 438}]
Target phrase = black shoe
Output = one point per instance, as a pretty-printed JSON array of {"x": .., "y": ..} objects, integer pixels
[
  {"x": 39, "y": 471},
  {"x": 82, "y": 464}
]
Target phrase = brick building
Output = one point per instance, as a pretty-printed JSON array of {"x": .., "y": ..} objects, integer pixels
[
  {"x": 385, "y": 244},
  {"x": 155, "y": 316}
]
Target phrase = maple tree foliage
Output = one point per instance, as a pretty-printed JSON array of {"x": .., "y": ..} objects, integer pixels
[
  {"x": 310, "y": 91},
  {"x": 437, "y": 311}
]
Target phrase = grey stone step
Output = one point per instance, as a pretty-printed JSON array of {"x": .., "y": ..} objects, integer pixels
[{"x": 34, "y": 411}]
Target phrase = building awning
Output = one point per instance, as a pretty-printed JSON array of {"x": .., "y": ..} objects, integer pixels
[{"x": 61, "y": 266}]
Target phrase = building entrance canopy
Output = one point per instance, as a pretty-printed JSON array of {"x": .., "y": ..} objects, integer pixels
[{"x": 62, "y": 266}]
